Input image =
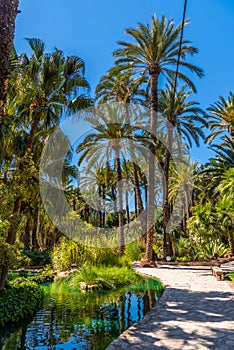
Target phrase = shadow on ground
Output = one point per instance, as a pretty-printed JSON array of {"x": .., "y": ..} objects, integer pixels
[{"x": 184, "y": 319}]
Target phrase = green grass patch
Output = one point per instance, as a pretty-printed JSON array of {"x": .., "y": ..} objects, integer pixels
[
  {"x": 105, "y": 277},
  {"x": 230, "y": 276}
]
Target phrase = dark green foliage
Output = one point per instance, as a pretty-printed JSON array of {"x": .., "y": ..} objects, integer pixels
[
  {"x": 21, "y": 298},
  {"x": 41, "y": 278},
  {"x": 38, "y": 278},
  {"x": 37, "y": 257}
]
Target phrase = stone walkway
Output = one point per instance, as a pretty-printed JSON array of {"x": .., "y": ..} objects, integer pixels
[{"x": 195, "y": 312}]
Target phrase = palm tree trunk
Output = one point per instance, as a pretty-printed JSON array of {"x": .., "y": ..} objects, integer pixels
[
  {"x": 33, "y": 130},
  {"x": 135, "y": 203},
  {"x": 167, "y": 245},
  {"x": 35, "y": 228},
  {"x": 120, "y": 202},
  {"x": 104, "y": 205},
  {"x": 151, "y": 196},
  {"x": 8, "y": 13},
  {"x": 139, "y": 201},
  {"x": 100, "y": 207},
  {"x": 127, "y": 206}
]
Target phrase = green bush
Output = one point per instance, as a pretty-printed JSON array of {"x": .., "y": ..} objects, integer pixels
[
  {"x": 37, "y": 257},
  {"x": 68, "y": 253},
  {"x": 133, "y": 251},
  {"x": 19, "y": 299},
  {"x": 41, "y": 278},
  {"x": 7, "y": 252}
]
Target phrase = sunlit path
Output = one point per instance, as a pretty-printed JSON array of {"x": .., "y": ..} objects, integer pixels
[{"x": 195, "y": 312}]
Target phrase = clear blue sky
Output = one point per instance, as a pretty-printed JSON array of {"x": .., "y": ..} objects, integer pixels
[{"x": 91, "y": 29}]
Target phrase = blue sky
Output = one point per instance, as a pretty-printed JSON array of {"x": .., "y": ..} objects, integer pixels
[{"x": 91, "y": 29}]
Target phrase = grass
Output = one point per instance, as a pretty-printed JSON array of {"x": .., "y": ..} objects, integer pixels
[
  {"x": 105, "y": 277},
  {"x": 230, "y": 275}
]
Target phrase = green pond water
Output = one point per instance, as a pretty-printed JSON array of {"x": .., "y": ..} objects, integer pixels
[{"x": 70, "y": 319}]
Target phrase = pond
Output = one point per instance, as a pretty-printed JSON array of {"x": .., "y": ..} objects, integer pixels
[{"x": 70, "y": 319}]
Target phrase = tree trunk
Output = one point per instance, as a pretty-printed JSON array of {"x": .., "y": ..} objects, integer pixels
[
  {"x": 120, "y": 202},
  {"x": 135, "y": 203},
  {"x": 151, "y": 196},
  {"x": 127, "y": 207},
  {"x": 35, "y": 230},
  {"x": 143, "y": 219},
  {"x": 33, "y": 130},
  {"x": 27, "y": 238},
  {"x": 167, "y": 245},
  {"x": 100, "y": 206},
  {"x": 8, "y": 13},
  {"x": 104, "y": 205},
  {"x": 10, "y": 239}
]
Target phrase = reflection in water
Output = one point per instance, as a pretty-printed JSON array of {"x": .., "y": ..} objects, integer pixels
[{"x": 73, "y": 320}]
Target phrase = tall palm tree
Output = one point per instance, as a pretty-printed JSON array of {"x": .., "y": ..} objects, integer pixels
[
  {"x": 8, "y": 13},
  {"x": 117, "y": 86},
  {"x": 47, "y": 86},
  {"x": 222, "y": 117},
  {"x": 181, "y": 185},
  {"x": 111, "y": 132},
  {"x": 185, "y": 122},
  {"x": 154, "y": 52}
]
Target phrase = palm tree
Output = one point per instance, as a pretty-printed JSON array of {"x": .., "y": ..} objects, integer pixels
[
  {"x": 226, "y": 203},
  {"x": 50, "y": 85},
  {"x": 154, "y": 53},
  {"x": 181, "y": 185},
  {"x": 47, "y": 86},
  {"x": 117, "y": 86},
  {"x": 111, "y": 132},
  {"x": 215, "y": 169},
  {"x": 120, "y": 87},
  {"x": 185, "y": 122},
  {"x": 222, "y": 119},
  {"x": 95, "y": 179},
  {"x": 8, "y": 13}
]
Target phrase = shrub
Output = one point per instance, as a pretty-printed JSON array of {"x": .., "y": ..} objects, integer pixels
[
  {"x": 7, "y": 253},
  {"x": 19, "y": 299},
  {"x": 133, "y": 251},
  {"x": 37, "y": 257},
  {"x": 42, "y": 278},
  {"x": 68, "y": 253}
]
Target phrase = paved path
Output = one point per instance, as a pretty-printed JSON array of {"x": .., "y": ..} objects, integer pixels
[{"x": 196, "y": 312}]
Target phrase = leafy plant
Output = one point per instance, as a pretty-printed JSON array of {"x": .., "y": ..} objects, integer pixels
[
  {"x": 133, "y": 251},
  {"x": 230, "y": 276},
  {"x": 21, "y": 298}
]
